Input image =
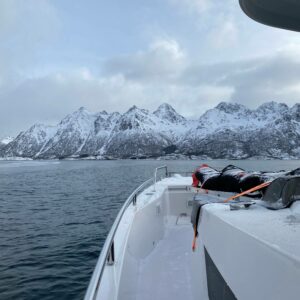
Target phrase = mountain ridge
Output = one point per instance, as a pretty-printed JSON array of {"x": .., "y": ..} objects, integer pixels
[{"x": 229, "y": 130}]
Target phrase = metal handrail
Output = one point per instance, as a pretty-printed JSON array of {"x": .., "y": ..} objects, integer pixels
[
  {"x": 155, "y": 173},
  {"x": 108, "y": 246}
]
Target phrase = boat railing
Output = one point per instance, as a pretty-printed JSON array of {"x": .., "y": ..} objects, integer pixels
[
  {"x": 157, "y": 170},
  {"x": 108, "y": 252}
]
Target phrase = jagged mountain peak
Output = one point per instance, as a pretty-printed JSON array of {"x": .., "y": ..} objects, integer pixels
[
  {"x": 136, "y": 110},
  {"x": 135, "y": 118},
  {"x": 165, "y": 107},
  {"x": 115, "y": 114},
  {"x": 82, "y": 115},
  {"x": 273, "y": 112},
  {"x": 229, "y": 107},
  {"x": 105, "y": 121},
  {"x": 167, "y": 113},
  {"x": 224, "y": 115},
  {"x": 28, "y": 143},
  {"x": 272, "y": 106},
  {"x": 133, "y": 107},
  {"x": 101, "y": 116},
  {"x": 82, "y": 111}
]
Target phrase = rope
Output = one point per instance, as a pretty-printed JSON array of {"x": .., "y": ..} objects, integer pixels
[
  {"x": 194, "y": 239},
  {"x": 254, "y": 189}
]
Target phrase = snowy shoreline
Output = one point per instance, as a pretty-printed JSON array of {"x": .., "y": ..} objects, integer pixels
[{"x": 160, "y": 158}]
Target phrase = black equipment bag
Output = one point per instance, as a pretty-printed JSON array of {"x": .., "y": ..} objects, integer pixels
[{"x": 282, "y": 192}]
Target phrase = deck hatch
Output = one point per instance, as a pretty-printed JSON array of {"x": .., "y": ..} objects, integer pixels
[{"x": 216, "y": 285}]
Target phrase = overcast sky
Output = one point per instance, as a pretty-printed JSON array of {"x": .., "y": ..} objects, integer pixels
[{"x": 58, "y": 55}]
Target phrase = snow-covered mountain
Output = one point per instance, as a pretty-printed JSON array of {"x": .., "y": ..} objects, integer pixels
[
  {"x": 169, "y": 115},
  {"x": 29, "y": 143},
  {"x": 229, "y": 130},
  {"x": 6, "y": 140},
  {"x": 233, "y": 131}
]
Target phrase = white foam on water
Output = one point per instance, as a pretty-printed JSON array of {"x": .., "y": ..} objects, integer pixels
[{"x": 25, "y": 163}]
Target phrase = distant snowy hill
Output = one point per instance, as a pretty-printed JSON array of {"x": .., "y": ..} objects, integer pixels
[
  {"x": 6, "y": 140},
  {"x": 227, "y": 131}
]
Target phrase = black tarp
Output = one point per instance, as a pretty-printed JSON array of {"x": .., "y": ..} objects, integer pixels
[
  {"x": 282, "y": 192},
  {"x": 234, "y": 179}
]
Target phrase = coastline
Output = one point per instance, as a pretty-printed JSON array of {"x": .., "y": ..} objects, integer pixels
[{"x": 172, "y": 157}]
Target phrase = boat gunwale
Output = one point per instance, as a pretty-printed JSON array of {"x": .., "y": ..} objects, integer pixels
[{"x": 106, "y": 249}]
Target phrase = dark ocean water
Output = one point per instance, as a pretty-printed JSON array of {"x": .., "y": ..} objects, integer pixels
[{"x": 54, "y": 217}]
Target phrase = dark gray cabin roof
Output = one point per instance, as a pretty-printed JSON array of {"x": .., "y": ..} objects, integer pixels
[{"x": 277, "y": 13}]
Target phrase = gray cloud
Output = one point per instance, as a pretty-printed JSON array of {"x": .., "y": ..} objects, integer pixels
[
  {"x": 248, "y": 81},
  {"x": 24, "y": 27},
  {"x": 264, "y": 79},
  {"x": 146, "y": 81},
  {"x": 240, "y": 66},
  {"x": 164, "y": 59}
]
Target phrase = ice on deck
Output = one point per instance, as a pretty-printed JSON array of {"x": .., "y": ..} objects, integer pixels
[{"x": 279, "y": 229}]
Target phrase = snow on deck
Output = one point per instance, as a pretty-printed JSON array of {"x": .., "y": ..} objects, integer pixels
[
  {"x": 279, "y": 229},
  {"x": 166, "y": 273},
  {"x": 176, "y": 180}
]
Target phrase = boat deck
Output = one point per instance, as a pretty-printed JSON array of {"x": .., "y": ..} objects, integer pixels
[
  {"x": 154, "y": 259},
  {"x": 167, "y": 272}
]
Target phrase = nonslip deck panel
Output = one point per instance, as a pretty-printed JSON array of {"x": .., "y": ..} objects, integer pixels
[
  {"x": 167, "y": 273},
  {"x": 164, "y": 274},
  {"x": 217, "y": 286}
]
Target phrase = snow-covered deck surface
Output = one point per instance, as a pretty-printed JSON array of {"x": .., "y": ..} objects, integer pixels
[
  {"x": 167, "y": 272},
  {"x": 278, "y": 229},
  {"x": 176, "y": 180}
]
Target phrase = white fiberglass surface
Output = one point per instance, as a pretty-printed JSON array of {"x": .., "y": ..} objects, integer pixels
[
  {"x": 278, "y": 229},
  {"x": 167, "y": 273}
]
